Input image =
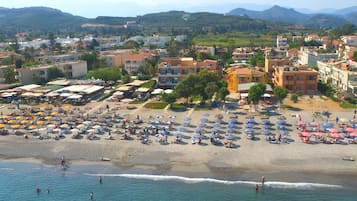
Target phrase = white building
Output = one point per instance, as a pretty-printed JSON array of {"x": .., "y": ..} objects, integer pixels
[
  {"x": 350, "y": 40},
  {"x": 281, "y": 43},
  {"x": 341, "y": 74},
  {"x": 71, "y": 70}
]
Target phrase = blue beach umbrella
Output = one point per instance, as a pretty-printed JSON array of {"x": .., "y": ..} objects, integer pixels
[
  {"x": 251, "y": 121},
  {"x": 249, "y": 131},
  {"x": 185, "y": 124},
  {"x": 281, "y": 127},
  {"x": 197, "y": 136},
  {"x": 188, "y": 119},
  {"x": 327, "y": 124},
  {"x": 164, "y": 132},
  {"x": 284, "y": 132},
  {"x": 205, "y": 115},
  {"x": 231, "y": 126},
  {"x": 202, "y": 125},
  {"x": 233, "y": 121},
  {"x": 249, "y": 125},
  {"x": 214, "y": 136},
  {"x": 215, "y": 129},
  {"x": 267, "y": 132},
  {"x": 281, "y": 122},
  {"x": 230, "y": 137},
  {"x": 267, "y": 126},
  {"x": 199, "y": 129},
  {"x": 266, "y": 121},
  {"x": 182, "y": 129},
  {"x": 204, "y": 120},
  {"x": 179, "y": 135}
]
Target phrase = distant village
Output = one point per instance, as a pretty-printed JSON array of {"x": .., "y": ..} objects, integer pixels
[{"x": 27, "y": 67}]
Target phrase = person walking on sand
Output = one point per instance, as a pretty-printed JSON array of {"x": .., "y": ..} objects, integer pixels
[{"x": 337, "y": 119}]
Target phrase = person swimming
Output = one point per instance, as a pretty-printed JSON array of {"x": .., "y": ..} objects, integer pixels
[{"x": 100, "y": 179}]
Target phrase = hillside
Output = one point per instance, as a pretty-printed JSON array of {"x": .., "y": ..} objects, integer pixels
[
  {"x": 40, "y": 19},
  {"x": 291, "y": 16}
]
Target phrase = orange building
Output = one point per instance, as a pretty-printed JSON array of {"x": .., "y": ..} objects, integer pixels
[
  {"x": 303, "y": 79},
  {"x": 270, "y": 62},
  {"x": 239, "y": 75}
]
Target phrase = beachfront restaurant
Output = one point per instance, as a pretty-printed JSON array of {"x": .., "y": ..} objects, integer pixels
[
  {"x": 80, "y": 94},
  {"x": 243, "y": 90}
]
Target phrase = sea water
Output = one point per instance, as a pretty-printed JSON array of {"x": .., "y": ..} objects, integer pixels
[{"x": 18, "y": 181}]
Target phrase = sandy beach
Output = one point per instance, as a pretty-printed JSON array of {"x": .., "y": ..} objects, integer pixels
[{"x": 293, "y": 161}]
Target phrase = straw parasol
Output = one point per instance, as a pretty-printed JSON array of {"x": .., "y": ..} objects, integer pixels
[
  {"x": 23, "y": 122},
  {"x": 32, "y": 127},
  {"x": 54, "y": 113},
  {"x": 16, "y": 126},
  {"x": 12, "y": 122},
  {"x": 2, "y": 126},
  {"x": 40, "y": 122}
]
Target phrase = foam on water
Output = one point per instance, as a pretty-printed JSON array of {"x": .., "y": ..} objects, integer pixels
[{"x": 272, "y": 184}]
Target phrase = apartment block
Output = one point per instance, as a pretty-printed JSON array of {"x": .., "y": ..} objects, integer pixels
[
  {"x": 239, "y": 75},
  {"x": 173, "y": 70},
  {"x": 302, "y": 79},
  {"x": 72, "y": 70}
]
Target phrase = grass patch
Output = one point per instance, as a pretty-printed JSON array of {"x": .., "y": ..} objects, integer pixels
[
  {"x": 156, "y": 105},
  {"x": 137, "y": 102},
  {"x": 196, "y": 98},
  {"x": 234, "y": 39},
  {"x": 176, "y": 106},
  {"x": 346, "y": 104},
  {"x": 150, "y": 84}
]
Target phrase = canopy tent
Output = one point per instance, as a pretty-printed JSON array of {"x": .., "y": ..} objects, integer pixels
[{"x": 157, "y": 91}]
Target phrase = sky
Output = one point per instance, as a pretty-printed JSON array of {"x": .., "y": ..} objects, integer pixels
[{"x": 126, "y": 8}]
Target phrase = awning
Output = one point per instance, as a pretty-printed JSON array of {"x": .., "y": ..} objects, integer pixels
[
  {"x": 266, "y": 95},
  {"x": 75, "y": 96},
  {"x": 244, "y": 95},
  {"x": 157, "y": 91}
]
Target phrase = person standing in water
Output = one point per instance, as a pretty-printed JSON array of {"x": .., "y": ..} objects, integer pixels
[
  {"x": 262, "y": 180},
  {"x": 91, "y": 196},
  {"x": 100, "y": 179}
]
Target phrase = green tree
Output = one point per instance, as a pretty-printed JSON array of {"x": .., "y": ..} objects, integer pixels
[
  {"x": 355, "y": 55},
  {"x": 126, "y": 79},
  {"x": 257, "y": 59},
  {"x": 169, "y": 98},
  {"x": 9, "y": 75},
  {"x": 294, "y": 97},
  {"x": 222, "y": 93},
  {"x": 92, "y": 60},
  {"x": 255, "y": 93},
  {"x": 280, "y": 93},
  {"x": 210, "y": 89},
  {"x": 54, "y": 73},
  {"x": 52, "y": 39},
  {"x": 94, "y": 43},
  {"x": 105, "y": 74},
  {"x": 185, "y": 87}
]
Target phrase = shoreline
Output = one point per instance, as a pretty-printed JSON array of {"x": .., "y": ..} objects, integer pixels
[
  {"x": 346, "y": 179},
  {"x": 282, "y": 179}
]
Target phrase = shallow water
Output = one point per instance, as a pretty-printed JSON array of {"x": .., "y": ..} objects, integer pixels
[{"x": 18, "y": 181}]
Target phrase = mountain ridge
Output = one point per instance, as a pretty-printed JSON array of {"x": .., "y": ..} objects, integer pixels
[{"x": 291, "y": 16}]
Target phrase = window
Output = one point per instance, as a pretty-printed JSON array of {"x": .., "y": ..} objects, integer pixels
[{"x": 312, "y": 77}]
